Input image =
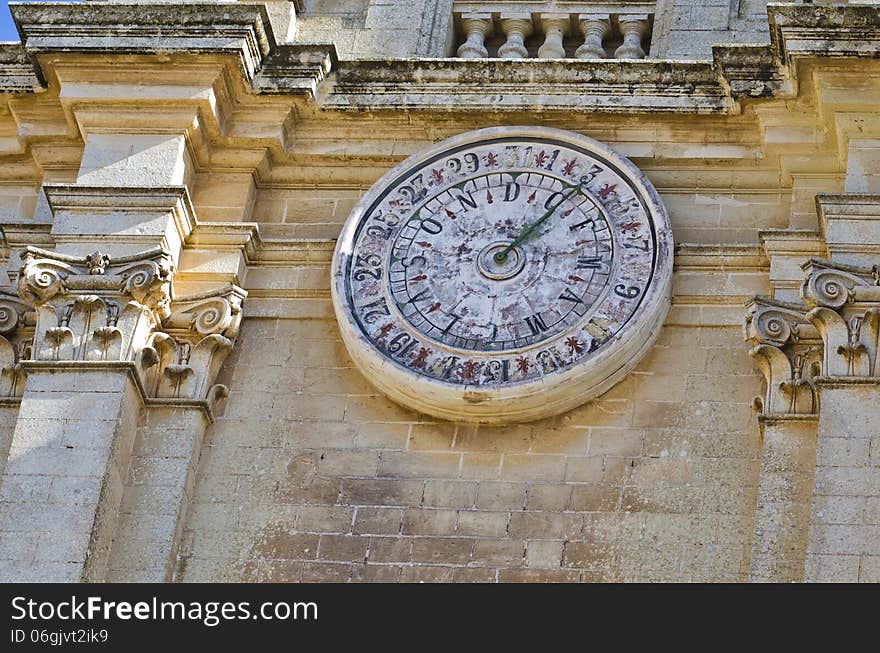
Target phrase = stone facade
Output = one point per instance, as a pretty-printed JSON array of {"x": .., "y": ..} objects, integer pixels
[{"x": 177, "y": 403}]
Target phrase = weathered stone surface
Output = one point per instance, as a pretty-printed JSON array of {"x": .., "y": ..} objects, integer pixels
[{"x": 204, "y": 131}]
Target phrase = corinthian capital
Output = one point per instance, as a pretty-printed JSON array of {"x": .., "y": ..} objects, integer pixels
[
  {"x": 182, "y": 360},
  {"x": 787, "y": 350},
  {"x": 144, "y": 277},
  {"x": 94, "y": 307}
]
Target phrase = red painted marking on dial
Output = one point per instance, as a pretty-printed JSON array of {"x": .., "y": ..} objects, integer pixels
[
  {"x": 421, "y": 277},
  {"x": 421, "y": 357},
  {"x": 574, "y": 277},
  {"x": 607, "y": 190},
  {"x": 574, "y": 346},
  {"x": 423, "y": 243},
  {"x": 434, "y": 307}
]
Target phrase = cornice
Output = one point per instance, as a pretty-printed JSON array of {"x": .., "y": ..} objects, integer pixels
[
  {"x": 797, "y": 31},
  {"x": 551, "y": 84},
  {"x": 18, "y": 74},
  {"x": 823, "y": 30},
  {"x": 241, "y": 30}
]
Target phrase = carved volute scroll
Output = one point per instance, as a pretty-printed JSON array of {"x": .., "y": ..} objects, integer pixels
[
  {"x": 788, "y": 351},
  {"x": 182, "y": 360},
  {"x": 845, "y": 303},
  {"x": 94, "y": 308},
  {"x": 16, "y": 339}
]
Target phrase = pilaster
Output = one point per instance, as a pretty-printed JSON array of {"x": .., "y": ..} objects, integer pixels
[
  {"x": 787, "y": 351},
  {"x": 820, "y": 356},
  {"x": 99, "y": 346}
]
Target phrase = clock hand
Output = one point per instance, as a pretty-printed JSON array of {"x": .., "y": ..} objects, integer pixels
[{"x": 529, "y": 229}]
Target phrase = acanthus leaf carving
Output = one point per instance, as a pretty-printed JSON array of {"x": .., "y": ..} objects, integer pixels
[
  {"x": 787, "y": 351},
  {"x": 182, "y": 361},
  {"x": 95, "y": 307},
  {"x": 845, "y": 302},
  {"x": 17, "y": 320},
  {"x": 852, "y": 346}
]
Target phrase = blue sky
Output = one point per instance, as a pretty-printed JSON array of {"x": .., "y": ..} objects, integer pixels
[{"x": 7, "y": 27}]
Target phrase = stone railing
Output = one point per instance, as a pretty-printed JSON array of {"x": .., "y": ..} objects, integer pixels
[{"x": 514, "y": 29}]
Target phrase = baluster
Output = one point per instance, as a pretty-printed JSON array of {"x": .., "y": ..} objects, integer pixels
[
  {"x": 633, "y": 28},
  {"x": 517, "y": 27},
  {"x": 595, "y": 28},
  {"x": 555, "y": 26},
  {"x": 476, "y": 28}
]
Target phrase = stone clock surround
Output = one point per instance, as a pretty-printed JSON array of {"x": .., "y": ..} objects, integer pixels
[{"x": 553, "y": 392}]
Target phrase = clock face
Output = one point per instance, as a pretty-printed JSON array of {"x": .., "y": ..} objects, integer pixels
[{"x": 478, "y": 278}]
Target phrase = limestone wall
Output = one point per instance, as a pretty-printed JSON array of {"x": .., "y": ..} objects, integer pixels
[
  {"x": 743, "y": 446},
  {"x": 312, "y": 476}
]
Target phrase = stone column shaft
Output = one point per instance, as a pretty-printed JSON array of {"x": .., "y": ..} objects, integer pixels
[
  {"x": 785, "y": 490},
  {"x": 68, "y": 460},
  {"x": 844, "y": 541},
  {"x": 158, "y": 493}
]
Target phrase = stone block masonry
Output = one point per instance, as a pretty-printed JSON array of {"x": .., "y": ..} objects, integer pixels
[
  {"x": 176, "y": 404},
  {"x": 362, "y": 489}
]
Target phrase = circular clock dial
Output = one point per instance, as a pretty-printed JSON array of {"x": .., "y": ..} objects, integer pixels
[{"x": 504, "y": 275}]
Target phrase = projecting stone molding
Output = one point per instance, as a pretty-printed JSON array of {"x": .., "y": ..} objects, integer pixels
[{"x": 527, "y": 30}]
